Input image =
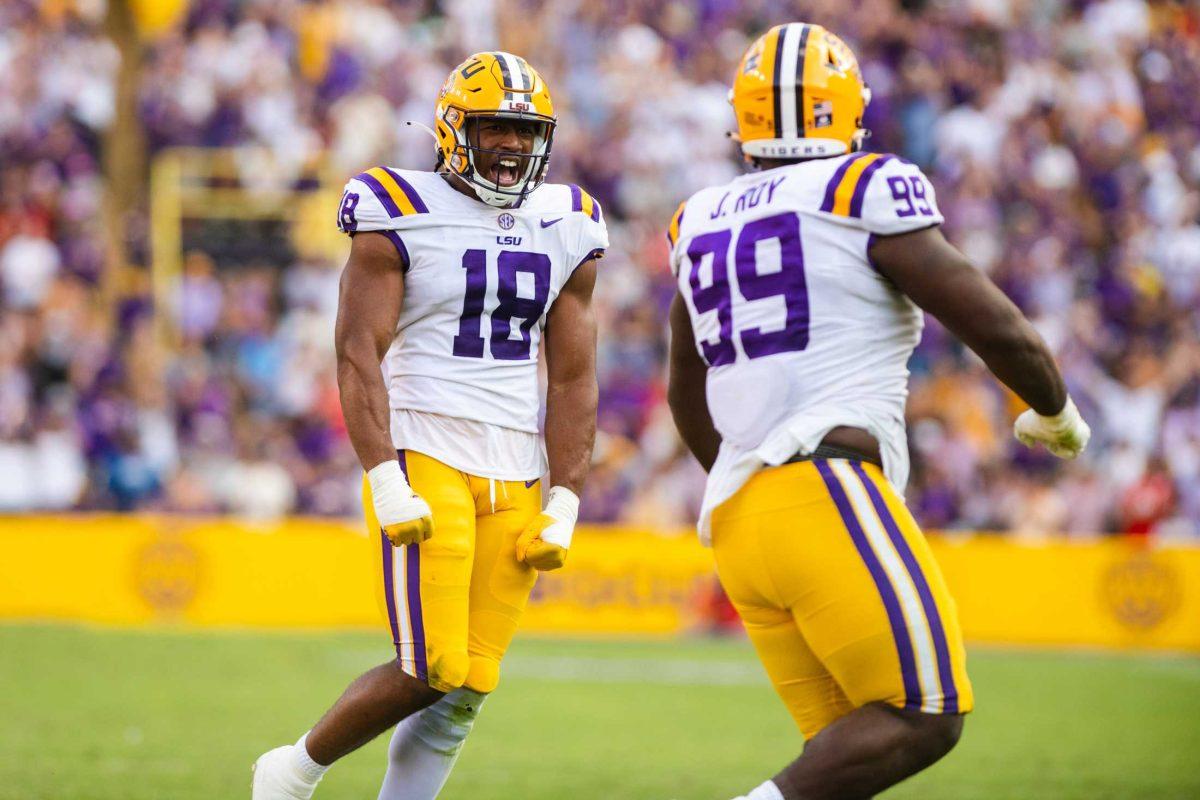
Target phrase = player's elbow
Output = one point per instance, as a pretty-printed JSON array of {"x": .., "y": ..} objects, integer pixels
[{"x": 355, "y": 358}]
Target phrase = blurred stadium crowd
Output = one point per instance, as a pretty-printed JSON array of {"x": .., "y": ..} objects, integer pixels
[{"x": 1063, "y": 137}]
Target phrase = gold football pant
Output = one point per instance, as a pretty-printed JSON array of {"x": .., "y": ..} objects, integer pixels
[
  {"x": 839, "y": 593},
  {"x": 453, "y": 602}
]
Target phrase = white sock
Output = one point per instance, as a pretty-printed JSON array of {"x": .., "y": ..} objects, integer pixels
[
  {"x": 302, "y": 762},
  {"x": 766, "y": 791},
  {"x": 425, "y": 746}
]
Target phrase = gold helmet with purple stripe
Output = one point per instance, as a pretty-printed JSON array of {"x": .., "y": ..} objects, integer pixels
[
  {"x": 494, "y": 84},
  {"x": 798, "y": 93}
]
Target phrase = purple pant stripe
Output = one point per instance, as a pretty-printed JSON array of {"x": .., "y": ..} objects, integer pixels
[
  {"x": 831, "y": 189},
  {"x": 940, "y": 646},
  {"x": 864, "y": 180},
  {"x": 413, "y": 562},
  {"x": 389, "y": 589},
  {"x": 904, "y": 649},
  {"x": 389, "y": 205},
  {"x": 576, "y": 198},
  {"x": 409, "y": 192}
]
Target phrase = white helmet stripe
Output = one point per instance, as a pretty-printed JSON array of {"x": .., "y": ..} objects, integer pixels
[
  {"x": 515, "y": 73},
  {"x": 789, "y": 43}
]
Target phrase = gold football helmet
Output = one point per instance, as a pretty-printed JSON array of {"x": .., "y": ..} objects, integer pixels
[
  {"x": 799, "y": 93},
  {"x": 494, "y": 84}
]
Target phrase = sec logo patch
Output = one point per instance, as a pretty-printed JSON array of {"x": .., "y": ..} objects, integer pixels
[{"x": 506, "y": 221}]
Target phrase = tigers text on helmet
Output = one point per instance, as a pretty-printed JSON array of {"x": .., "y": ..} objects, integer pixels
[
  {"x": 799, "y": 93},
  {"x": 488, "y": 85}
]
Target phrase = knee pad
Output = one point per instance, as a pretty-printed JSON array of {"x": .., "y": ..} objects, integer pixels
[
  {"x": 448, "y": 671},
  {"x": 444, "y": 725},
  {"x": 483, "y": 675}
]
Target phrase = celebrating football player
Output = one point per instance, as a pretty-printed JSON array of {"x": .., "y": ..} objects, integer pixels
[
  {"x": 454, "y": 279},
  {"x": 801, "y": 286}
]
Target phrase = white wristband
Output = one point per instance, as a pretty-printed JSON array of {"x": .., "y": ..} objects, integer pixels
[
  {"x": 563, "y": 505},
  {"x": 1065, "y": 419},
  {"x": 388, "y": 483}
]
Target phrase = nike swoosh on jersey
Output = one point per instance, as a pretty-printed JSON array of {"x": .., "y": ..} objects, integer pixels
[{"x": 546, "y": 223}]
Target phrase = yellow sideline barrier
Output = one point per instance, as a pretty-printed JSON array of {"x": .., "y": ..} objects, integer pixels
[{"x": 134, "y": 570}]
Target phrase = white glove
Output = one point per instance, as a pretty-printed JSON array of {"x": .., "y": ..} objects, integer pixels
[
  {"x": 403, "y": 515},
  {"x": 1065, "y": 434},
  {"x": 544, "y": 543}
]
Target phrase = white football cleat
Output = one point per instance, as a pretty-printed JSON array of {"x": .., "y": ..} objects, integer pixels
[{"x": 276, "y": 779}]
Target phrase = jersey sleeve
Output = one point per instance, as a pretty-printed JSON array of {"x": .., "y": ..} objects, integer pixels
[
  {"x": 592, "y": 232},
  {"x": 673, "y": 236},
  {"x": 898, "y": 198},
  {"x": 377, "y": 200},
  {"x": 881, "y": 194}
]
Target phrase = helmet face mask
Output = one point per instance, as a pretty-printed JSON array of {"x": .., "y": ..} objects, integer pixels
[
  {"x": 494, "y": 85},
  {"x": 798, "y": 93},
  {"x": 530, "y": 167}
]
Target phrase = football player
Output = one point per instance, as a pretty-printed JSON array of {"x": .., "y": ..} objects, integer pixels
[
  {"x": 456, "y": 278},
  {"x": 801, "y": 286}
]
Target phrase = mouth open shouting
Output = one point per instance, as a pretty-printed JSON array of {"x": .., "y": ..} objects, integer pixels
[{"x": 505, "y": 170}]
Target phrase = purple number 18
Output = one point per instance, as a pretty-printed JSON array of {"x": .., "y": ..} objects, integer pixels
[
  {"x": 788, "y": 282},
  {"x": 469, "y": 343}
]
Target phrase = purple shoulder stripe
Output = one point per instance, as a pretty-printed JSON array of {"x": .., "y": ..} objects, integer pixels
[
  {"x": 409, "y": 191},
  {"x": 595, "y": 210},
  {"x": 864, "y": 180},
  {"x": 395, "y": 239},
  {"x": 376, "y": 187},
  {"x": 576, "y": 198},
  {"x": 831, "y": 189}
]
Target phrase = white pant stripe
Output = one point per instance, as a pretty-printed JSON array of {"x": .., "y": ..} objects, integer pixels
[{"x": 910, "y": 600}]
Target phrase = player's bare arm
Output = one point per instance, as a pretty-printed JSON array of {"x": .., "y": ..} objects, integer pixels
[
  {"x": 370, "y": 299},
  {"x": 571, "y": 398},
  {"x": 940, "y": 279},
  {"x": 571, "y": 391},
  {"x": 685, "y": 390},
  {"x": 371, "y": 294}
]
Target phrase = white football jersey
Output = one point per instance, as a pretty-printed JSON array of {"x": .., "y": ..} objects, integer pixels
[
  {"x": 800, "y": 332},
  {"x": 478, "y": 284}
]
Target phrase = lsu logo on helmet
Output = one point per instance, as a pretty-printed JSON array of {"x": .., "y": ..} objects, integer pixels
[
  {"x": 798, "y": 93},
  {"x": 494, "y": 84}
]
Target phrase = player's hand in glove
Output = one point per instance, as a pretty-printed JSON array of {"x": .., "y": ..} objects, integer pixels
[
  {"x": 403, "y": 515},
  {"x": 1065, "y": 434},
  {"x": 544, "y": 543}
]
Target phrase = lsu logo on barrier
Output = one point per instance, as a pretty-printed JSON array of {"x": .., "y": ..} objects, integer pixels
[
  {"x": 166, "y": 573},
  {"x": 1142, "y": 591}
]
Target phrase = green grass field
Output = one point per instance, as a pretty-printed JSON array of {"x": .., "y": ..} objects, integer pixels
[{"x": 90, "y": 714}]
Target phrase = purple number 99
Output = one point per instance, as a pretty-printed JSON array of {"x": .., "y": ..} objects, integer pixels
[
  {"x": 787, "y": 282},
  {"x": 913, "y": 193}
]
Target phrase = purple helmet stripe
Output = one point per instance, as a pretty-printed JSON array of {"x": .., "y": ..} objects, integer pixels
[
  {"x": 800, "y": 65},
  {"x": 389, "y": 205},
  {"x": 904, "y": 648},
  {"x": 409, "y": 192},
  {"x": 860, "y": 191},
  {"x": 831, "y": 189},
  {"x": 775, "y": 88},
  {"x": 949, "y": 690}
]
